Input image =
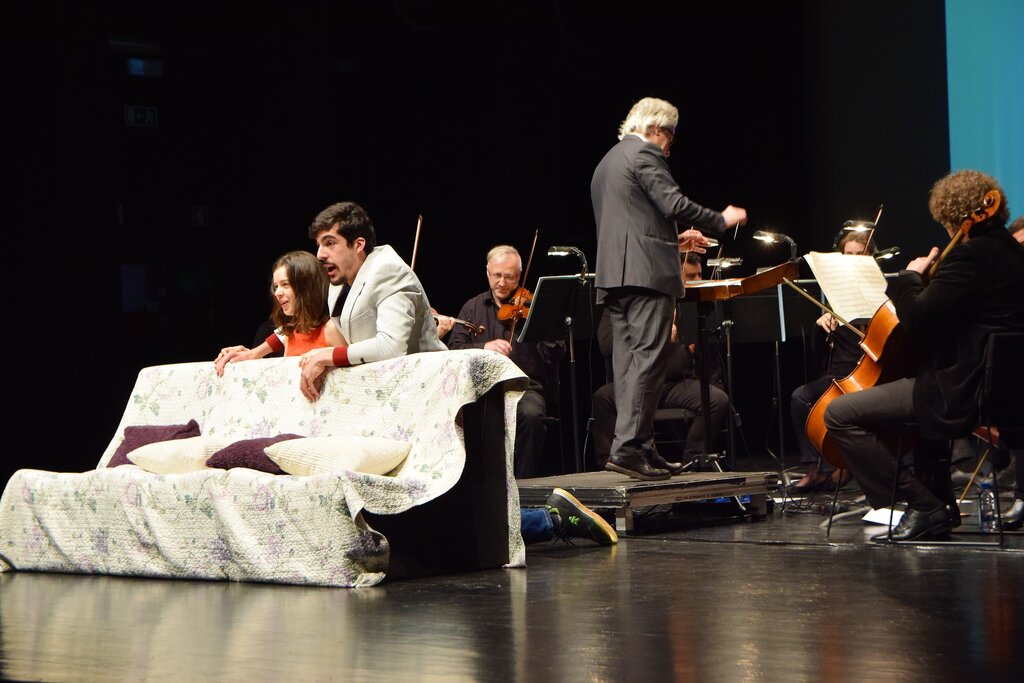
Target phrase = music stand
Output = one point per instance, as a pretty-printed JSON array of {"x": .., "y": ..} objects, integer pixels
[
  {"x": 692, "y": 321},
  {"x": 774, "y": 315},
  {"x": 563, "y": 308}
]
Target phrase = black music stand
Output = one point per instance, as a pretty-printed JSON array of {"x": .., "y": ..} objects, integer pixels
[
  {"x": 692, "y": 318},
  {"x": 775, "y": 315},
  {"x": 563, "y": 309}
]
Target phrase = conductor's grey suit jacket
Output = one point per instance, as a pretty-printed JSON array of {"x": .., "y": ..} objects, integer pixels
[{"x": 637, "y": 207}]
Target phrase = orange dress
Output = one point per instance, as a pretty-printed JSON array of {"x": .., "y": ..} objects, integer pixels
[{"x": 300, "y": 342}]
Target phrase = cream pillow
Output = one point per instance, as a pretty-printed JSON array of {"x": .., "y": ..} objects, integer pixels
[
  {"x": 178, "y": 456},
  {"x": 318, "y": 455}
]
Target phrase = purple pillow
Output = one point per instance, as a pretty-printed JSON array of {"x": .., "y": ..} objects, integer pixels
[
  {"x": 136, "y": 437},
  {"x": 249, "y": 453}
]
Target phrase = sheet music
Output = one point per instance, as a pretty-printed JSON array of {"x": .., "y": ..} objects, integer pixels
[{"x": 853, "y": 285}]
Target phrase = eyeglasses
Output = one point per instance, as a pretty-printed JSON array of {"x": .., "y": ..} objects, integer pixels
[{"x": 508, "y": 277}]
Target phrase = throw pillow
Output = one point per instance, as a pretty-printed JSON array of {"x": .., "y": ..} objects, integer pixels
[
  {"x": 249, "y": 453},
  {"x": 318, "y": 455},
  {"x": 177, "y": 456},
  {"x": 137, "y": 436}
]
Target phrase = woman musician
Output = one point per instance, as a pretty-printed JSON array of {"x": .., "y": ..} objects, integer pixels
[{"x": 840, "y": 347}]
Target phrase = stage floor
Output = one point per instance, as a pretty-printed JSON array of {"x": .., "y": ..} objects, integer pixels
[{"x": 696, "y": 594}]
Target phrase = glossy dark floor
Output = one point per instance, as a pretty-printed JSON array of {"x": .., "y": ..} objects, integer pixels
[{"x": 694, "y": 598}]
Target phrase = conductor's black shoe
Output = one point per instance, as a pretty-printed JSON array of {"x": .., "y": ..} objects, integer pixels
[
  {"x": 636, "y": 467},
  {"x": 915, "y": 525},
  {"x": 1014, "y": 517},
  {"x": 661, "y": 463},
  {"x": 572, "y": 519}
]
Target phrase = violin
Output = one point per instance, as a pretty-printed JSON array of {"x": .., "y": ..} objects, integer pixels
[
  {"x": 517, "y": 307},
  {"x": 473, "y": 329},
  {"x": 888, "y": 355}
]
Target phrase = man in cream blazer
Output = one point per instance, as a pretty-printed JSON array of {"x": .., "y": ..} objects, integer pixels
[{"x": 384, "y": 313}]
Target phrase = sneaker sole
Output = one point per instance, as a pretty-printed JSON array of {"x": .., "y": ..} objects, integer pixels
[{"x": 605, "y": 526}]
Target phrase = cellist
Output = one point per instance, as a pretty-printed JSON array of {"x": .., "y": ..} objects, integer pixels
[
  {"x": 538, "y": 360},
  {"x": 975, "y": 290}
]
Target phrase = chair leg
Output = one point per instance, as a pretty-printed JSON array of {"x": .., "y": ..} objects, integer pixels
[
  {"x": 832, "y": 510},
  {"x": 895, "y": 485}
]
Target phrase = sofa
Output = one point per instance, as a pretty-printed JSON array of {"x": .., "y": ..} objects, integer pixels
[{"x": 450, "y": 506}]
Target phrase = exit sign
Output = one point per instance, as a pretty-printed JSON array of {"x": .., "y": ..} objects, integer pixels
[{"x": 139, "y": 117}]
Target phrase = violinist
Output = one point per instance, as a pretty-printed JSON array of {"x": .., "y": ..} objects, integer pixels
[
  {"x": 841, "y": 347},
  {"x": 539, "y": 360},
  {"x": 975, "y": 290}
]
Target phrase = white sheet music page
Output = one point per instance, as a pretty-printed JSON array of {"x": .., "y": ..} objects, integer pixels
[{"x": 853, "y": 285}]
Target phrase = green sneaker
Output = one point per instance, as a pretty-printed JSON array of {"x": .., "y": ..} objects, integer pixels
[{"x": 572, "y": 519}]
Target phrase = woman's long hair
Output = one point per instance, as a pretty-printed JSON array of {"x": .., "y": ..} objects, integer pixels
[{"x": 309, "y": 286}]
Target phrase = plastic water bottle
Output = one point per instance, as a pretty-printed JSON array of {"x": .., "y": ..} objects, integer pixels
[{"x": 987, "y": 508}]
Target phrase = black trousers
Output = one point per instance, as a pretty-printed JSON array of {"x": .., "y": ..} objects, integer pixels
[
  {"x": 641, "y": 326},
  {"x": 530, "y": 432},
  {"x": 801, "y": 401},
  {"x": 682, "y": 394},
  {"x": 859, "y": 422}
]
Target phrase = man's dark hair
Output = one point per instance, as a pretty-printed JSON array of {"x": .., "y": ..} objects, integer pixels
[
  {"x": 352, "y": 221},
  {"x": 691, "y": 257}
]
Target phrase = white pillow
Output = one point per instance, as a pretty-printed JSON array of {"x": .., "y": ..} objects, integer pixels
[
  {"x": 177, "y": 456},
  {"x": 318, "y": 455}
]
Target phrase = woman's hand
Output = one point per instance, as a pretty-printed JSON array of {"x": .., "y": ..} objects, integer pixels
[{"x": 229, "y": 354}]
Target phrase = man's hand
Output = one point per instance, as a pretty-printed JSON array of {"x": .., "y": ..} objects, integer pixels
[
  {"x": 693, "y": 240},
  {"x": 499, "y": 345},
  {"x": 922, "y": 263},
  {"x": 313, "y": 364},
  {"x": 229, "y": 354},
  {"x": 734, "y": 215},
  {"x": 444, "y": 325}
]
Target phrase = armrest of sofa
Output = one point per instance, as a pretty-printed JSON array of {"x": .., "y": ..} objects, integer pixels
[{"x": 466, "y": 528}]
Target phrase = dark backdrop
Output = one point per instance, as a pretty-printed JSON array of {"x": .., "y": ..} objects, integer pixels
[{"x": 136, "y": 246}]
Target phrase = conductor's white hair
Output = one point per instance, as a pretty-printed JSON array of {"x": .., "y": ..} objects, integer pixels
[{"x": 650, "y": 112}]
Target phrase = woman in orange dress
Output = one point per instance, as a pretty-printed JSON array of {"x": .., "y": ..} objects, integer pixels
[{"x": 299, "y": 287}]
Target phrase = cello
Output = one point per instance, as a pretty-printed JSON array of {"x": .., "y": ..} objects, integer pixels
[{"x": 888, "y": 354}]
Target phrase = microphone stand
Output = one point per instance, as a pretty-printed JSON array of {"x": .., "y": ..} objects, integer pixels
[{"x": 569, "y": 323}]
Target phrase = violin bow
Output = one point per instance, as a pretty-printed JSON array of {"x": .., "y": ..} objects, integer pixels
[
  {"x": 522, "y": 282},
  {"x": 416, "y": 242}
]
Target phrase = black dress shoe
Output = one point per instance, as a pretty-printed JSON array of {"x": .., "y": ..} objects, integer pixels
[
  {"x": 636, "y": 467},
  {"x": 817, "y": 483},
  {"x": 915, "y": 525},
  {"x": 661, "y": 463},
  {"x": 955, "y": 518},
  {"x": 1014, "y": 517}
]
